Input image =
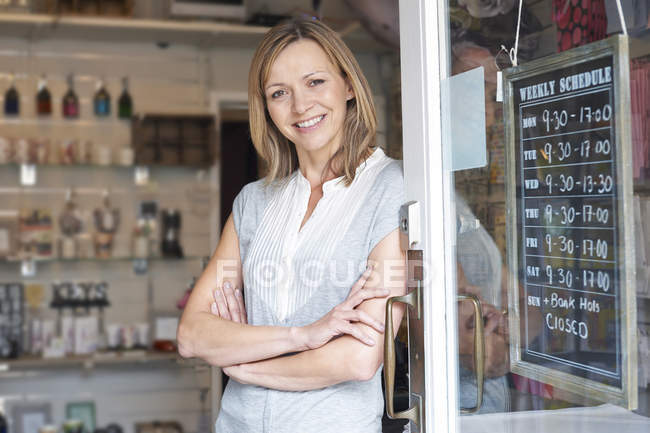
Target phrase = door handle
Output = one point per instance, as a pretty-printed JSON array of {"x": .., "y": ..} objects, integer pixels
[
  {"x": 412, "y": 413},
  {"x": 479, "y": 351}
]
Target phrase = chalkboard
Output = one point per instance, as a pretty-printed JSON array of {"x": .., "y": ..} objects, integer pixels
[{"x": 570, "y": 243}]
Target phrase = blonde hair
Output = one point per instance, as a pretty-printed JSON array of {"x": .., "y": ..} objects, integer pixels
[{"x": 359, "y": 126}]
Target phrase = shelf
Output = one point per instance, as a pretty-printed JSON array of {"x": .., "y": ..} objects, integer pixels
[
  {"x": 112, "y": 166},
  {"x": 90, "y": 179},
  {"x": 17, "y": 166},
  {"x": 199, "y": 33},
  {"x": 97, "y": 260},
  {"x": 109, "y": 122},
  {"x": 203, "y": 34},
  {"x": 100, "y": 360}
]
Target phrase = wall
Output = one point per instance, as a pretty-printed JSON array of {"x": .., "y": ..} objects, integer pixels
[{"x": 170, "y": 80}]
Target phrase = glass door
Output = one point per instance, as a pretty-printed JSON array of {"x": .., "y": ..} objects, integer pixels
[{"x": 526, "y": 146}]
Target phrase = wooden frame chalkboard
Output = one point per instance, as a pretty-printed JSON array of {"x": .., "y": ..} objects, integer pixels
[{"x": 572, "y": 308}]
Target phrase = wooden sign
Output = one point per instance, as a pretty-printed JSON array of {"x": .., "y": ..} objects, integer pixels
[{"x": 570, "y": 227}]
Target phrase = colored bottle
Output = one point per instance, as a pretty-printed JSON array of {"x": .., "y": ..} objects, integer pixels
[
  {"x": 102, "y": 101},
  {"x": 70, "y": 101},
  {"x": 43, "y": 99},
  {"x": 12, "y": 100},
  {"x": 3, "y": 423},
  {"x": 125, "y": 103}
]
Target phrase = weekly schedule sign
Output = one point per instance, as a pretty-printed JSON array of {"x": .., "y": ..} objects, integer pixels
[{"x": 570, "y": 234}]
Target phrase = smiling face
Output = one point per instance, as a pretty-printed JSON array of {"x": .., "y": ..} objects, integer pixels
[{"x": 306, "y": 97}]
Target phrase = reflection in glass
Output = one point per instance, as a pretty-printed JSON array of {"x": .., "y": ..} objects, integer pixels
[{"x": 479, "y": 32}]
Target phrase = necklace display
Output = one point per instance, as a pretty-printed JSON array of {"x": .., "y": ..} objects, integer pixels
[
  {"x": 70, "y": 222},
  {"x": 107, "y": 221}
]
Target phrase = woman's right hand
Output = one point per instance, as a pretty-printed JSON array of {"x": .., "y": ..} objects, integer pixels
[{"x": 340, "y": 320}]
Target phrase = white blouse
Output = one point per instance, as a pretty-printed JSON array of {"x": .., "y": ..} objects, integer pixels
[{"x": 294, "y": 276}]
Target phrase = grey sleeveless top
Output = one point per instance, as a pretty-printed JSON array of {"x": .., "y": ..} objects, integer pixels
[{"x": 293, "y": 277}]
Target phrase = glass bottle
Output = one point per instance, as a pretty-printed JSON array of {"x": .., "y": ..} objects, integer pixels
[
  {"x": 3, "y": 423},
  {"x": 102, "y": 100},
  {"x": 70, "y": 101},
  {"x": 70, "y": 225},
  {"x": 125, "y": 103},
  {"x": 43, "y": 98},
  {"x": 12, "y": 100}
]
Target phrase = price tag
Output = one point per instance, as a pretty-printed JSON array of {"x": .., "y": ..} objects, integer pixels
[
  {"x": 27, "y": 174},
  {"x": 141, "y": 175},
  {"x": 28, "y": 268}
]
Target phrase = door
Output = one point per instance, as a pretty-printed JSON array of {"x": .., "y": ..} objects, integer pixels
[
  {"x": 549, "y": 352},
  {"x": 236, "y": 148}
]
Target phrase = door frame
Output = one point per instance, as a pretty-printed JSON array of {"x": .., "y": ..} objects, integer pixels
[{"x": 425, "y": 62}]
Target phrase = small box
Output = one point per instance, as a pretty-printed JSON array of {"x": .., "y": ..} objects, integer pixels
[
  {"x": 186, "y": 140},
  {"x": 86, "y": 334},
  {"x": 36, "y": 234},
  {"x": 9, "y": 230},
  {"x": 11, "y": 319}
]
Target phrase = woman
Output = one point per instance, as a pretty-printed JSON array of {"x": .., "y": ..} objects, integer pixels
[{"x": 314, "y": 245}]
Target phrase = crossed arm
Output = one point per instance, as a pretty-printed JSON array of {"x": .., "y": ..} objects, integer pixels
[{"x": 346, "y": 344}]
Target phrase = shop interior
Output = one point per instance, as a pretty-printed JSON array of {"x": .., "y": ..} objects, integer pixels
[
  {"x": 131, "y": 118},
  {"x": 123, "y": 142}
]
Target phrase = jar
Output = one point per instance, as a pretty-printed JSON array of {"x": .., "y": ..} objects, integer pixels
[{"x": 73, "y": 426}]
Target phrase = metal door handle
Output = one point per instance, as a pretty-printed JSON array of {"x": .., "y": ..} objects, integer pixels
[
  {"x": 412, "y": 413},
  {"x": 479, "y": 351}
]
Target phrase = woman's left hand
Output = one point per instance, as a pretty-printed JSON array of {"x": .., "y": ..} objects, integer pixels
[{"x": 229, "y": 304}]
